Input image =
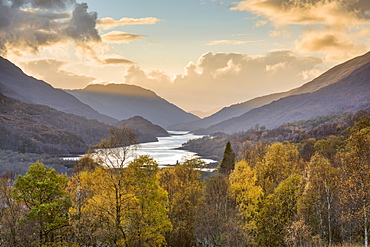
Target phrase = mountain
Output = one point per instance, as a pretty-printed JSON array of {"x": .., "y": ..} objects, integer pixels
[
  {"x": 40, "y": 129},
  {"x": 345, "y": 87},
  {"x": 228, "y": 112},
  {"x": 144, "y": 126},
  {"x": 15, "y": 84},
  {"x": 122, "y": 101},
  {"x": 326, "y": 79},
  {"x": 145, "y": 131},
  {"x": 204, "y": 114}
]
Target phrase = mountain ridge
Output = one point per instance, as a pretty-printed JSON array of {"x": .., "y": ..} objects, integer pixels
[
  {"x": 123, "y": 101},
  {"x": 327, "y": 78},
  {"x": 16, "y": 84},
  {"x": 349, "y": 93}
]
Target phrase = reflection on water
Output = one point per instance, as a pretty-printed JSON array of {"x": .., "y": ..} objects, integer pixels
[{"x": 165, "y": 151}]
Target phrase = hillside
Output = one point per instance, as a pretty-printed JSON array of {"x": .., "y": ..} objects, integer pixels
[
  {"x": 320, "y": 127},
  {"x": 144, "y": 126},
  {"x": 229, "y": 112},
  {"x": 122, "y": 101},
  {"x": 145, "y": 131},
  {"x": 41, "y": 129},
  {"x": 15, "y": 84},
  {"x": 331, "y": 76},
  {"x": 350, "y": 92}
]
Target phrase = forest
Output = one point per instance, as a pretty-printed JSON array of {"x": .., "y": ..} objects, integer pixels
[{"x": 315, "y": 192}]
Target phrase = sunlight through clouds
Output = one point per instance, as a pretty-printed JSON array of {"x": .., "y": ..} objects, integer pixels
[{"x": 330, "y": 27}]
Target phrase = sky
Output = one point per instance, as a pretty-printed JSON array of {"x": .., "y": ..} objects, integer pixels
[{"x": 198, "y": 54}]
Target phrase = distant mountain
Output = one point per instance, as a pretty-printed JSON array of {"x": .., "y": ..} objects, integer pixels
[
  {"x": 326, "y": 79},
  {"x": 228, "y": 112},
  {"x": 122, "y": 101},
  {"x": 15, "y": 84},
  {"x": 204, "y": 114},
  {"x": 40, "y": 129},
  {"x": 345, "y": 87},
  {"x": 144, "y": 129}
]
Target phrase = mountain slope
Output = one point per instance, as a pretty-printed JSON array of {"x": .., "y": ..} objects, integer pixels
[
  {"x": 349, "y": 93},
  {"x": 229, "y": 112},
  {"x": 144, "y": 126},
  {"x": 333, "y": 75},
  {"x": 41, "y": 129},
  {"x": 326, "y": 79},
  {"x": 122, "y": 101},
  {"x": 144, "y": 130},
  {"x": 15, "y": 84}
]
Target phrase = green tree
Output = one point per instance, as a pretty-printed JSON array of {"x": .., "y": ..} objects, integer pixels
[
  {"x": 228, "y": 161},
  {"x": 42, "y": 192}
]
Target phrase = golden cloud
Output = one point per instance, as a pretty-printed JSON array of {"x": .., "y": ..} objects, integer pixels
[
  {"x": 116, "y": 61},
  {"x": 109, "y": 23},
  {"x": 52, "y": 71},
  {"x": 120, "y": 37},
  {"x": 328, "y": 12},
  {"x": 329, "y": 26},
  {"x": 220, "y": 79},
  {"x": 336, "y": 45}
]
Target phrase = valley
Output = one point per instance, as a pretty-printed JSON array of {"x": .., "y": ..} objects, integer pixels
[{"x": 274, "y": 164}]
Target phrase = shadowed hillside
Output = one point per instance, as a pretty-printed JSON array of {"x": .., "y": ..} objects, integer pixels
[
  {"x": 349, "y": 93},
  {"x": 331, "y": 76},
  {"x": 122, "y": 101},
  {"x": 40, "y": 129},
  {"x": 15, "y": 84}
]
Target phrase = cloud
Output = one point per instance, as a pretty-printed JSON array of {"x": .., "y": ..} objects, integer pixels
[
  {"x": 339, "y": 23},
  {"x": 116, "y": 61},
  {"x": 336, "y": 45},
  {"x": 260, "y": 23},
  {"x": 109, "y": 23},
  {"x": 221, "y": 79},
  {"x": 52, "y": 72},
  {"x": 120, "y": 37},
  {"x": 81, "y": 27},
  {"x": 28, "y": 26},
  {"x": 329, "y": 12},
  {"x": 231, "y": 42},
  {"x": 31, "y": 25}
]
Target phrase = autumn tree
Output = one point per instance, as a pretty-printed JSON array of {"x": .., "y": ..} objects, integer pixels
[
  {"x": 355, "y": 180},
  {"x": 184, "y": 189},
  {"x": 280, "y": 161},
  {"x": 319, "y": 205},
  {"x": 42, "y": 192},
  {"x": 136, "y": 216},
  {"x": 277, "y": 213},
  {"x": 248, "y": 196},
  {"x": 218, "y": 218},
  {"x": 254, "y": 152},
  {"x": 147, "y": 221},
  {"x": 12, "y": 232},
  {"x": 102, "y": 190}
]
